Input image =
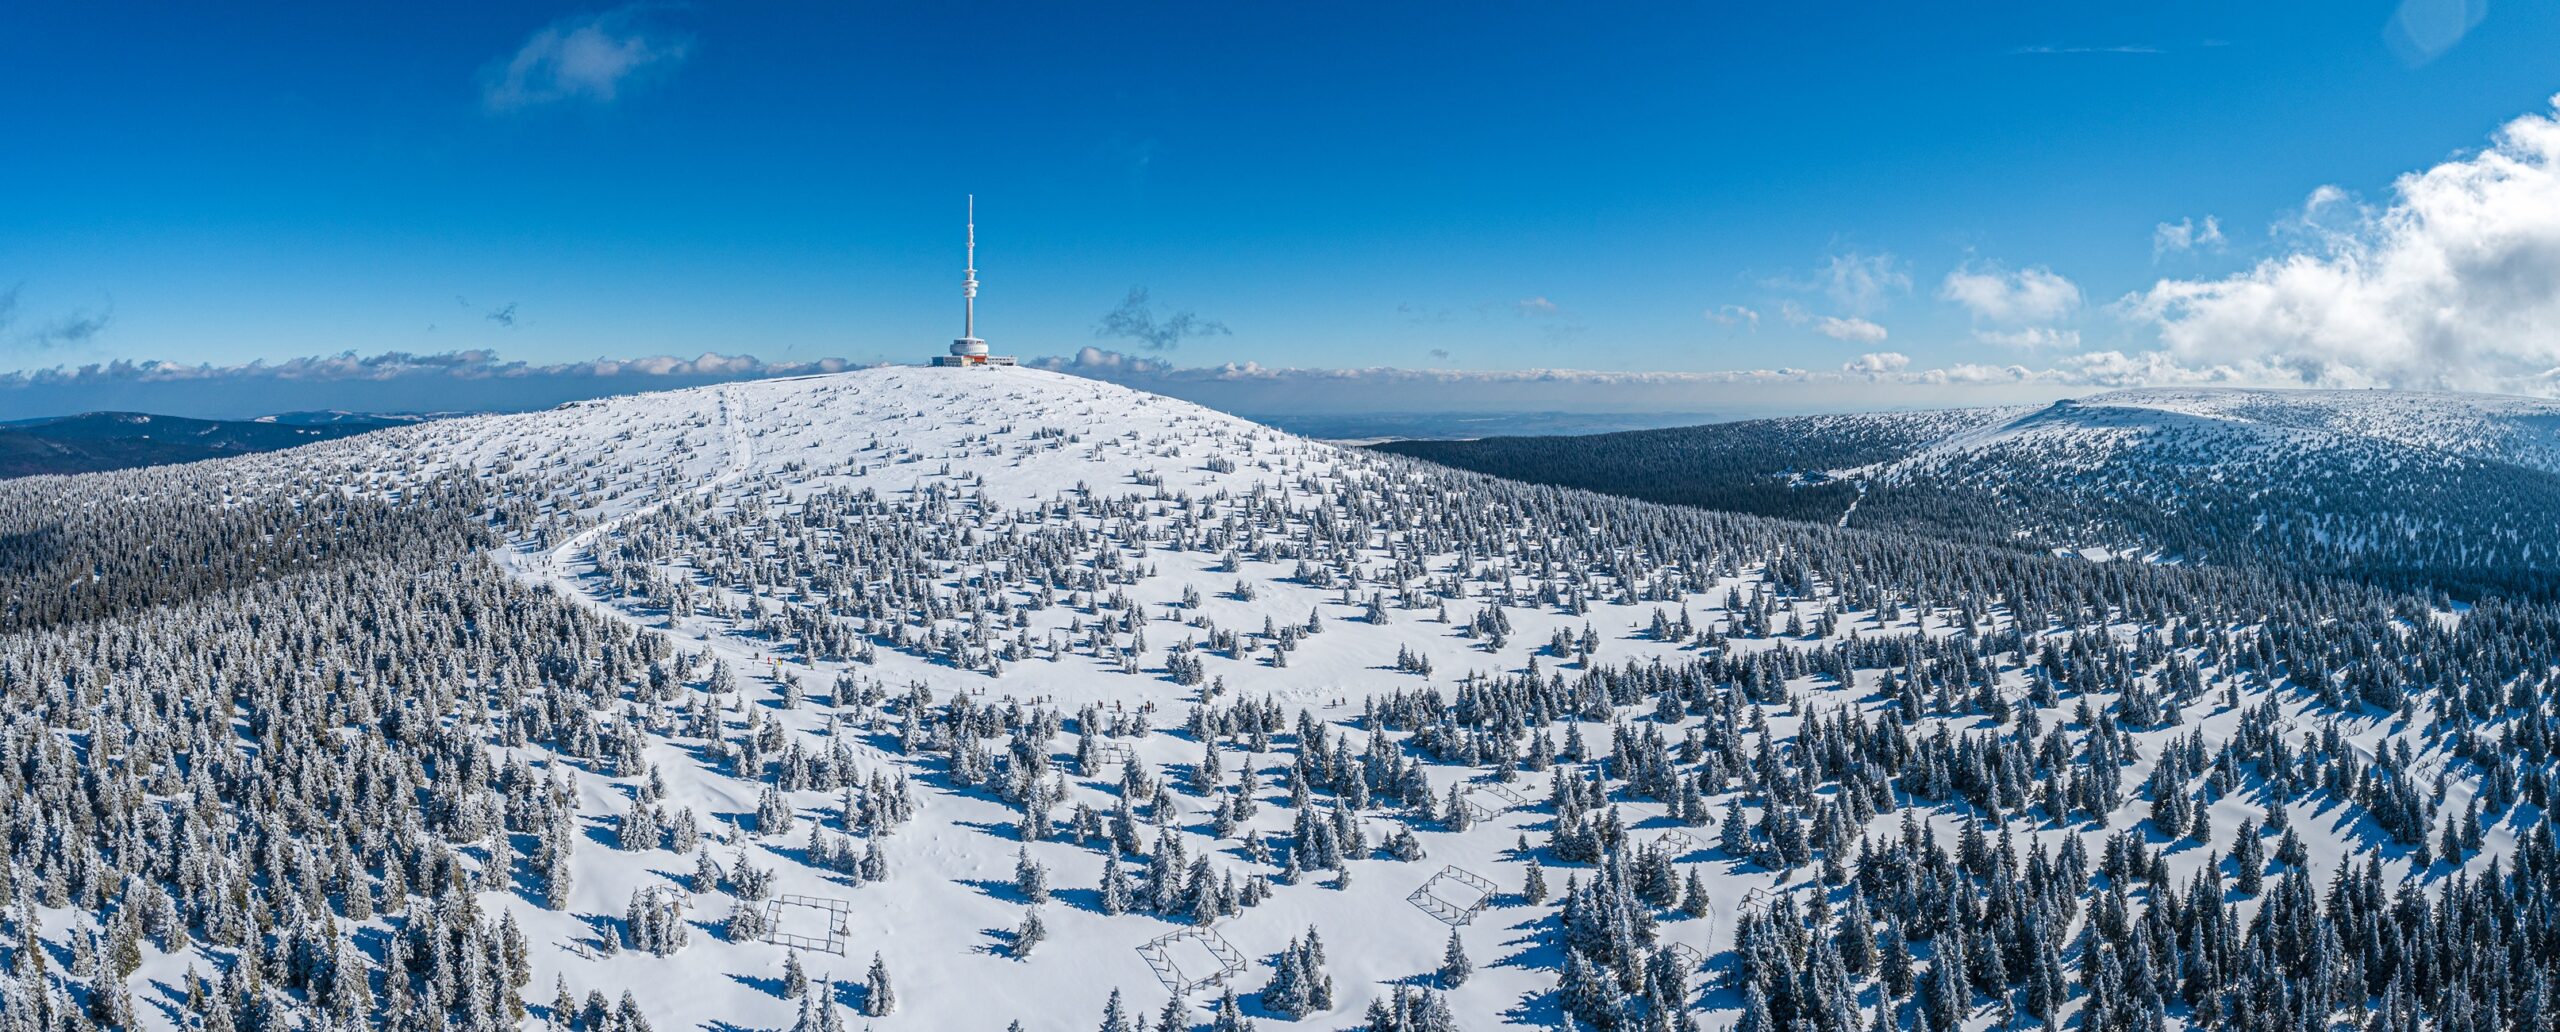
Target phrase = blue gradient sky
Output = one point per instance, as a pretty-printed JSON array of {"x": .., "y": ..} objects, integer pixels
[{"x": 1493, "y": 186}]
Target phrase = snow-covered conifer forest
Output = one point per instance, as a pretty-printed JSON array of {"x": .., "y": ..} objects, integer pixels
[
  {"x": 987, "y": 699},
  {"x": 2406, "y": 490}
]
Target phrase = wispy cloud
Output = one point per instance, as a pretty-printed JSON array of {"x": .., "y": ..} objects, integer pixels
[
  {"x": 504, "y": 315},
  {"x": 2186, "y": 234},
  {"x": 1136, "y": 321},
  {"x": 1853, "y": 330},
  {"x": 1856, "y": 284},
  {"x": 1420, "y": 315},
  {"x": 1861, "y": 284},
  {"x": 2119, "y": 48},
  {"x": 2015, "y": 308},
  {"x": 1877, "y": 363},
  {"x": 1734, "y": 315},
  {"x": 69, "y": 331},
  {"x": 588, "y": 58},
  {"x": 2031, "y": 338},
  {"x": 1996, "y": 294}
]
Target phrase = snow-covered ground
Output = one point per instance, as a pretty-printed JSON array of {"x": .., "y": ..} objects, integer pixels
[{"x": 835, "y": 559}]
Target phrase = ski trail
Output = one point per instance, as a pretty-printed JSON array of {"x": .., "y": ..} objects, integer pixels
[
  {"x": 742, "y": 455},
  {"x": 1853, "y": 504}
]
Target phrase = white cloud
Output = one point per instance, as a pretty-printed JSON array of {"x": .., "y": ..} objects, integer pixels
[
  {"x": 2186, "y": 234},
  {"x": 1860, "y": 284},
  {"x": 2120, "y": 48},
  {"x": 1971, "y": 373},
  {"x": 2032, "y": 338},
  {"x": 585, "y": 57},
  {"x": 1877, "y": 363},
  {"x": 1734, "y": 315},
  {"x": 1536, "y": 307},
  {"x": 1997, "y": 295},
  {"x": 1853, "y": 330},
  {"x": 2455, "y": 284}
]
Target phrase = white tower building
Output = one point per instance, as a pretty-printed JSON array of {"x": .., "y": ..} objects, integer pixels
[{"x": 968, "y": 350}]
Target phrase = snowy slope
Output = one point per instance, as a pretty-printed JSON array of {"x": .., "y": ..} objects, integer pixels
[
  {"x": 2517, "y": 430},
  {"x": 897, "y": 576}
]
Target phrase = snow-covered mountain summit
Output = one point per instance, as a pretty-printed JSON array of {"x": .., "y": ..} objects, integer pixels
[
  {"x": 2518, "y": 430},
  {"x": 1021, "y": 432}
]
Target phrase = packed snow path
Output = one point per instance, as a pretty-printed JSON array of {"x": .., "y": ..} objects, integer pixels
[{"x": 741, "y": 459}]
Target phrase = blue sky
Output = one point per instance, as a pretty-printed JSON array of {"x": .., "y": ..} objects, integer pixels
[{"x": 1866, "y": 191}]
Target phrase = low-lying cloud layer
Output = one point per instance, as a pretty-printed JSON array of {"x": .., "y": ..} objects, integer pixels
[
  {"x": 472, "y": 380},
  {"x": 1874, "y": 380}
]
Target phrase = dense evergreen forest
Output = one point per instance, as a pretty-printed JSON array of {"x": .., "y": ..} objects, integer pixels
[{"x": 2285, "y": 485}]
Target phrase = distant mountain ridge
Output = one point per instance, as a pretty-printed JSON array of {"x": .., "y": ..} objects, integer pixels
[
  {"x": 2453, "y": 491},
  {"x": 93, "y": 442}
]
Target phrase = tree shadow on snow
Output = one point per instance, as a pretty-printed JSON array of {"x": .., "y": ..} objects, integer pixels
[{"x": 769, "y": 986}]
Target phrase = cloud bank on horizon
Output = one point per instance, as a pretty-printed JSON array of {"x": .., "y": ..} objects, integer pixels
[
  {"x": 471, "y": 380},
  {"x": 481, "y": 380}
]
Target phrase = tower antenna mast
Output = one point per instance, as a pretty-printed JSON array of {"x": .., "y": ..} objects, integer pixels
[
  {"x": 969, "y": 350},
  {"x": 969, "y": 286}
]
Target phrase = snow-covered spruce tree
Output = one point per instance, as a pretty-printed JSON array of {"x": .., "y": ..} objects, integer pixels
[
  {"x": 1029, "y": 877},
  {"x": 1299, "y": 985},
  {"x": 795, "y": 981},
  {"x": 1029, "y": 935},
  {"x": 654, "y": 919},
  {"x": 1115, "y": 1015},
  {"x": 1455, "y": 968},
  {"x": 879, "y": 998}
]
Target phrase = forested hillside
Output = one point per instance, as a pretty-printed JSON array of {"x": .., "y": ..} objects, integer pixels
[
  {"x": 98, "y": 441},
  {"x": 2411, "y": 491}
]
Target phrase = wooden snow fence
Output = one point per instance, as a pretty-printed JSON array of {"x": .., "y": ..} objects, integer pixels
[
  {"x": 1676, "y": 837},
  {"x": 836, "y": 931},
  {"x": 1109, "y": 758},
  {"x": 1454, "y": 896},
  {"x": 1481, "y": 808},
  {"x": 1187, "y": 960}
]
